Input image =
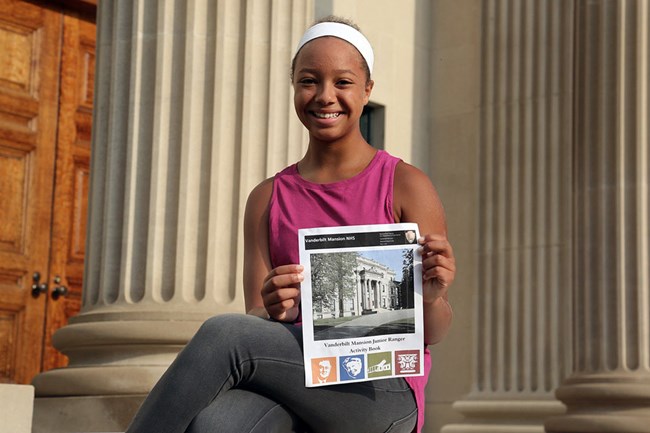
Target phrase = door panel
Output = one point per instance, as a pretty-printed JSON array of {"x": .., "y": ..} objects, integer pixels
[
  {"x": 29, "y": 77},
  {"x": 71, "y": 179}
]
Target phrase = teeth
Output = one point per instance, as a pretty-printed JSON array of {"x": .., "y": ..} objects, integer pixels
[{"x": 326, "y": 115}]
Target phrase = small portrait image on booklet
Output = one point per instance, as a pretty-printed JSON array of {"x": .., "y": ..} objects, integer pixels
[
  {"x": 324, "y": 370},
  {"x": 361, "y": 299}
]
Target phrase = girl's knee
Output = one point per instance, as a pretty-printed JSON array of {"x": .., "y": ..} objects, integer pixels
[{"x": 226, "y": 327}]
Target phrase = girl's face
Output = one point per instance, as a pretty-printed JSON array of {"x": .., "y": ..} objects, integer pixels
[{"x": 330, "y": 88}]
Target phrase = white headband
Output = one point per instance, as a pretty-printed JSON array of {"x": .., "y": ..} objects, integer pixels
[{"x": 341, "y": 31}]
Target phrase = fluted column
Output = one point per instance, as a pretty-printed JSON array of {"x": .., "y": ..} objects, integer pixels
[
  {"x": 193, "y": 107},
  {"x": 609, "y": 390},
  {"x": 522, "y": 328}
]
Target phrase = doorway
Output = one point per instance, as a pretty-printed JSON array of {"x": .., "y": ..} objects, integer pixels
[{"x": 47, "y": 62}]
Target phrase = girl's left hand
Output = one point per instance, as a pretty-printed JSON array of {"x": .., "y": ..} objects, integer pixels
[{"x": 438, "y": 266}]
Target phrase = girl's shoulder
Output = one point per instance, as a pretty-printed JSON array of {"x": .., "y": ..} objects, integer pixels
[
  {"x": 412, "y": 188},
  {"x": 259, "y": 198},
  {"x": 263, "y": 188},
  {"x": 408, "y": 176}
]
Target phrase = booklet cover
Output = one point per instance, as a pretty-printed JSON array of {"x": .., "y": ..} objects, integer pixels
[{"x": 361, "y": 303}]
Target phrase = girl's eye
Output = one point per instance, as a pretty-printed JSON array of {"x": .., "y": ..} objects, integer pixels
[
  {"x": 307, "y": 81},
  {"x": 344, "y": 82}
]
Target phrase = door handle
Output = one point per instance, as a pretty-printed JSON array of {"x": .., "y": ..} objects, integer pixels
[
  {"x": 38, "y": 287},
  {"x": 60, "y": 290}
]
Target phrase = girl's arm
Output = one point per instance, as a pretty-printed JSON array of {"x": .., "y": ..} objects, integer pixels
[
  {"x": 257, "y": 262},
  {"x": 268, "y": 293},
  {"x": 416, "y": 200}
]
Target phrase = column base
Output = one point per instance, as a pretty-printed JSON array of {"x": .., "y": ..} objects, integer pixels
[
  {"x": 98, "y": 381},
  {"x": 598, "y": 422},
  {"x": 504, "y": 416},
  {"x": 604, "y": 403},
  {"x": 114, "y": 357},
  {"x": 492, "y": 428},
  {"x": 100, "y": 414}
]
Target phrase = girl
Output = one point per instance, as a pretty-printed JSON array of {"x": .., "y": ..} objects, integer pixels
[{"x": 245, "y": 373}]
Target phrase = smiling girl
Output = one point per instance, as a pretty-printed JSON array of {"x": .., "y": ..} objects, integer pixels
[{"x": 245, "y": 373}]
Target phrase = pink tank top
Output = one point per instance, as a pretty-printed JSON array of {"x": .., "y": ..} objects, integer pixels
[{"x": 366, "y": 198}]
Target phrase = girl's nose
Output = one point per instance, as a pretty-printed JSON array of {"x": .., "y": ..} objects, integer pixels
[{"x": 326, "y": 94}]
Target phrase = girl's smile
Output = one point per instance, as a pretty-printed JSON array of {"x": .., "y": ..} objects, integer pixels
[
  {"x": 325, "y": 119},
  {"x": 322, "y": 115}
]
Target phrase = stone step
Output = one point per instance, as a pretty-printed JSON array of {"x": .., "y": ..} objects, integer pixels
[
  {"x": 84, "y": 414},
  {"x": 16, "y": 408}
]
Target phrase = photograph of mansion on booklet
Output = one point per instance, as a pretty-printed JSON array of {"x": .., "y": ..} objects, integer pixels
[{"x": 361, "y": 283}]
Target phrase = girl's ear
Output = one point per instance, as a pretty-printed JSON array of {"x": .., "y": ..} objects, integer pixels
[{"x": 367, "y": 91}]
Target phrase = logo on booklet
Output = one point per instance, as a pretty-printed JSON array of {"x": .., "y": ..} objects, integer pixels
[
  {"x": 380, "y": 364},
  {"x": 323, "y": 370},
  {"x": 351, "y": 367},
  {"x": 407, "y": 362}
]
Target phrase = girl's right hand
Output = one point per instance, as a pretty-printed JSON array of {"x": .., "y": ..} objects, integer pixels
[{"x": 281, "y": 292}]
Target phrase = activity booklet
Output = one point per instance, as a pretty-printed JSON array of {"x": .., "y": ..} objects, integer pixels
[{"x": 361, "y": 303}]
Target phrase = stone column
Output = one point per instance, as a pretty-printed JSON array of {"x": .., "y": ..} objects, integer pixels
[
  {"x": 609, "y": 390},
  {"x": 193, "y": 107},
  {"x": 522, "y": 322}
]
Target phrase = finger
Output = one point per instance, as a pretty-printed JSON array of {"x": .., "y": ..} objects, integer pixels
[
  {"x": 439, "y": 260},
  {"x": 284, "y": 270},
  {"x": 431, "y": 237},
  {"x": 428, "y": 239},
  {"x": 442, "y": 276},
  {"x": 285, "y": 316},
  {"x": 281, "y": 281},
  {"x": 281, "y": 307},
  {"x": 281, "y": 295},
  {"x": 284, "y": 310},
  {"x": 440, "y": 246}
]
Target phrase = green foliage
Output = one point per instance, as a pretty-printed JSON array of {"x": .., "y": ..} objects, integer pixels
[
  {"x": 407, "y": 284},
  {"x": 332, "y": 277}
]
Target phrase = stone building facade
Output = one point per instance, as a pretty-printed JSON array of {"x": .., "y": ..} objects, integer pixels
[
  {"x": 376, "y": 286},
  {"x": 375, "y": 289}
]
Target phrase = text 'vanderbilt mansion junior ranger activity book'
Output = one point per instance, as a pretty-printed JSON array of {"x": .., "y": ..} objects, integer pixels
[{"x": 361, "y": 303}]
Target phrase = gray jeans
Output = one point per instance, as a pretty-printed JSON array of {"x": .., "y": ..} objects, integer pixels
[{"x": 245, "y": 374}]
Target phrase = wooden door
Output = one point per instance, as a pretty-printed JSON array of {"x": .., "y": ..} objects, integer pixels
[
  {"x": 71, "y": 180},
  {"x": 44, "y": 152},
  {"x": 30, "y": 39}
]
